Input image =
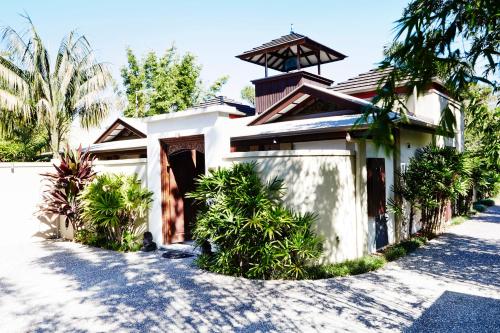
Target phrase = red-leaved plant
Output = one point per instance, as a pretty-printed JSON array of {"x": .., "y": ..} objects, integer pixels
[{"x": 65, "y": 184}]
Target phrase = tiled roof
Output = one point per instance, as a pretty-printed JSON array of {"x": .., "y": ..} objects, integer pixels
[
  {"x": 278, "y": 41},
  {"x": 369, "y": 81},
  {"x": 288, "y": 52},
  {"x": 222, "y": 100},
  {"x": 362, "y": 82}
]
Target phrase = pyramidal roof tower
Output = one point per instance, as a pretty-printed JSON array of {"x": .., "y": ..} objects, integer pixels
[{"x": 289, "y": 54}]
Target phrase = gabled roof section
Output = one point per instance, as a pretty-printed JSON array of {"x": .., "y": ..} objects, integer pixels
[
  {"x": 362, "y": 82},
  {"x": 222, "y": 100},
  {"x": 305, "y": 95},
  {"x": 123, "y": 129},
  {"x": 291, "y": 46}
]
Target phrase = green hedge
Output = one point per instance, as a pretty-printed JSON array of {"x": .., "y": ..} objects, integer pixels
[
  {"x": 396, "y": 251},
  {"x": 486, "y": 202},
  {"x": 479, "y": 207},
  {"x": 350, "y": 267}
]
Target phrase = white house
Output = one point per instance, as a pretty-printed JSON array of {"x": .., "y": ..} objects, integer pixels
[{"x": 301, "y": 130}]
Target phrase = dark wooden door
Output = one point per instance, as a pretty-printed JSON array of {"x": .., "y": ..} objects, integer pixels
[
  {"x": 377, "y": 199},
  {"x": 182, "y": 169}
]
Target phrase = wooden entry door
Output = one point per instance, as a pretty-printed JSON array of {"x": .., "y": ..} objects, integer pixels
[
  {"x": 180, "y": 167},
  {"x": 377, "y": 199}
]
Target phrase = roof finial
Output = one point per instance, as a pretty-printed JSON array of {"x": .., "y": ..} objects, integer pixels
[{"x": 291, "y": 28}]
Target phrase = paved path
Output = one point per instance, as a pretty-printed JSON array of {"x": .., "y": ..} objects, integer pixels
[{"x": 451, "y": 285}]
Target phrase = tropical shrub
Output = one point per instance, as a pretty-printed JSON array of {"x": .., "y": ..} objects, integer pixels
[
  {"x": 114, "y": 210},
  {"x": 73, "y": 172},
  {"x": 403, "y": 248},
  {"x": 482, "y": 124},
  {"x": 479, "y": 207},
  {"x": 486, "y": 202},
  {"x": 255, "y": 235},
  {"x": 394, "y": 252},
  {"x": 434, "y": 178}
]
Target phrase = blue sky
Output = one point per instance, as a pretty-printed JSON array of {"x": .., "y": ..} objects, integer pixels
[{"x": 216, "y": 31}]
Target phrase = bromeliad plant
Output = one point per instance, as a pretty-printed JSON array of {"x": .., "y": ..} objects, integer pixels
[
  {"x": 114, "y": 209},
  {"x": 255, "y": 235},
  {"x": 72, "y": 174}
]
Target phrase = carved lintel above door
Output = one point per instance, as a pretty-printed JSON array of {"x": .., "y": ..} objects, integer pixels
[{"x": 194, "y": 142}]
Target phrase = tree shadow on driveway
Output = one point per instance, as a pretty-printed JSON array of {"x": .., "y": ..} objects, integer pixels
[{"x": 144, "y": 292}]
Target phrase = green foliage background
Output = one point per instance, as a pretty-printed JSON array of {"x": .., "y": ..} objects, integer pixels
[{"x": 163, "y": 84}]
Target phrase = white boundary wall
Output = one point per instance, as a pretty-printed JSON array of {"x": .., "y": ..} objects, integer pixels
[
  {"x": 319, "y": 181},
  {"x": 21, "y": 189}
]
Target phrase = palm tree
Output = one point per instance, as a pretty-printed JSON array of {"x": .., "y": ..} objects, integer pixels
[{"x": 51, "y": 95}]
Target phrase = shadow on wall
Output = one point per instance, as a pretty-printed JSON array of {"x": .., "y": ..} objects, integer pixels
[
  {"x": 323, "y": 185},
  {"x": 326, "y": 206},
  {"x": 48, "y": 226},
  {"x": 453, "y": 312}
]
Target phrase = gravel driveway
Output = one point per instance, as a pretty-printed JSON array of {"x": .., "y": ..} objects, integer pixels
[{"x": 451, "y": 285}]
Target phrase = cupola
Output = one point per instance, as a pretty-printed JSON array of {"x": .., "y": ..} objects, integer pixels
[{"x": 289, "y": 54}]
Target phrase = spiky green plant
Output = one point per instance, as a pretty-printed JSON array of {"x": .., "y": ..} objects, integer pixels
[
  {"x": 115, "y": 207},
  {"x": 435, "y": 177},
  {"x": 51, "y": 94},
  {"x": 72, "y": 174},
  {"x": 255, "y": 235}
]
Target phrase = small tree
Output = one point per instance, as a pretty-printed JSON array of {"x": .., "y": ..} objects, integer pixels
[
  {"x": 255, "y": 235},
  {"x": 248, "y": 94},
  {"x": 434, "y": 178},
  {"x": 72, "y": 174},
  {"x": 169, "y": 83}
]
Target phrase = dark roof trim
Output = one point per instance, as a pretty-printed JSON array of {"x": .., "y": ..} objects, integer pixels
[
  {"x": 114, "y": 125},
  {"x": 299, "y": 95},
  {"x": 280, "y": 49}
]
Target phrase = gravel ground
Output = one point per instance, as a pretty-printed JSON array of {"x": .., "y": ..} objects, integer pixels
[{"x": 451, "y": 285}]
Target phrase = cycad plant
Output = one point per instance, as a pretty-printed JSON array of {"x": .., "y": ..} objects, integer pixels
[
  {"x": 115, "y": 207},
  {"x": 254, "y": 234},
  {"x": 51, "y": 94},
  {"x": 73, "y": 172}
]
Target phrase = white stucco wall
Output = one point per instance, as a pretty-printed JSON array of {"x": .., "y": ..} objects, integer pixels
[
  {"x": 431, "y": 105},
  {"x": 21, "y": 188},
  {"x": 216, "y": 128},
  {"x": 319, "y": 181},
  {"x": 136, "y": 166}
]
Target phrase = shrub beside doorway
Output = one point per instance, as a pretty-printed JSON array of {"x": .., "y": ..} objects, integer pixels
[{"x": 256, "y": 236}]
